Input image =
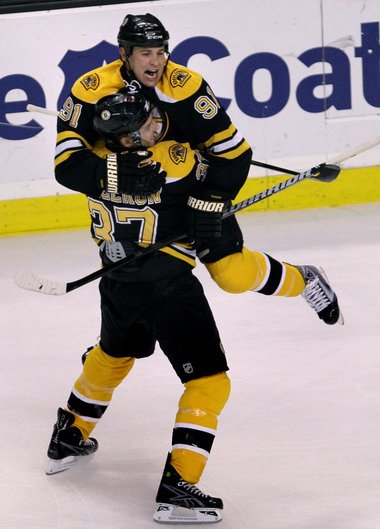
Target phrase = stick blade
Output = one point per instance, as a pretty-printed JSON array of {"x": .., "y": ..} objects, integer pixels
[
  {"x": 30, "y": 281},
  {"x": 326, "y": 173}
]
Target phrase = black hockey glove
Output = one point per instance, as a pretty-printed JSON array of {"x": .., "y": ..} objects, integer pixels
[
  {"x": 204, "y": 217},
  {"x": 132, "y": 173}
]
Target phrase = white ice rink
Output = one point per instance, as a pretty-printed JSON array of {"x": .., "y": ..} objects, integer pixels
[{"x": 298, "y": 445}]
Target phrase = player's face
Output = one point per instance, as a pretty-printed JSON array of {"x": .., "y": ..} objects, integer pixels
[
  {"x": 147, "y": 64},
  {"x": 148, "y": 133}
]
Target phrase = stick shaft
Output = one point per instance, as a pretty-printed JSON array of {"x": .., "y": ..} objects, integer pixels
[
  {"x": 354, "y": 151},
  {"x": 41, "y": 110},
  {"x": 273, "y": 167},
  {"x": 342, "y": 157}
]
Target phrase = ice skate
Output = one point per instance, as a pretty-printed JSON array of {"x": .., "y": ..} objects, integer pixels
[
  {"x": 320, "y": 296},
  {"x": 181, "y": 502},
  {"x": 67, "y": 446}
]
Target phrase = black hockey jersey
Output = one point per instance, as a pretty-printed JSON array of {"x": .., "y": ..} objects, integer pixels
[
  {"x": 133, "y": 220},
  {"x": 194, "y": 119},
  {"x": 194, "y": 116}
]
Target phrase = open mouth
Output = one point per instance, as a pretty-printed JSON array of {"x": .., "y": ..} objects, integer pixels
[{"x": 152, "y": 74}]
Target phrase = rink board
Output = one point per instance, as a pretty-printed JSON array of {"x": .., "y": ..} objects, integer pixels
[{"x": 67, "y": 212}]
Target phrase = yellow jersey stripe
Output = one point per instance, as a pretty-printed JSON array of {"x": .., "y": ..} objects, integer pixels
[
  {"x": 178, "y": 255},
  {"x": 68, "y": 142},
  {"x": 226, "y": 134},
  {"x": 230, "y": 155}
]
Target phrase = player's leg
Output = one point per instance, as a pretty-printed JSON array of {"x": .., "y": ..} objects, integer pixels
[
  {"x": 88, "y": 400},
  {"x": 188, "y": 336},
  {"x": 255, "y": 271},
  {"x": 237, "y": 269},
  {"x": 123, "y": 338}
]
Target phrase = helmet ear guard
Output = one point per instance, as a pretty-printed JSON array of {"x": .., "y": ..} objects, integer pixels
[{"x": 144, "y": 31}]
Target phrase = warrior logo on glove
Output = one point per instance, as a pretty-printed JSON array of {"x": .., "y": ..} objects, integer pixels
[
  {"x": 128, "y": 122},
  {"x": 205, "y": 205}
]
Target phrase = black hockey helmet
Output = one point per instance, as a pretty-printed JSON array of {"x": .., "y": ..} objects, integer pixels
[
  {"x": 121, "y": 114},
  {"x": 145, "y": 31}
]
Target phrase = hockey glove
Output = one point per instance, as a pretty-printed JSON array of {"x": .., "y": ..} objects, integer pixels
[
  {"x": 204, "y": 217},
  {"x": 132, "y": 173}
]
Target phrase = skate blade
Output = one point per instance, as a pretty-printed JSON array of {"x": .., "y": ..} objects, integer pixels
[
  {"x": 167, "y": 513},
  {"x": 54, "y": 466},
  {"x": 340, "y": 320}
]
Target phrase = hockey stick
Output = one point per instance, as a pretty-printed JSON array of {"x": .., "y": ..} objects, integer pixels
[
  {"x": 29, "y": 281},
  {"x": 354, "y": 151},
  {"x": 273, "y": 167},
  {"x": 346, "y": 155},
  {"x": 41, "y": 110}
]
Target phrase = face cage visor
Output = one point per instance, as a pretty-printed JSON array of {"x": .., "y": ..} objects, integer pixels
[{"x": 135, "y": 136}]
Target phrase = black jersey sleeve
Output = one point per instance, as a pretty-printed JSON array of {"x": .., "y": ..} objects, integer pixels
[
  {"x": 75, "y": 163},
  {"x": 228, "y": 176},
  {"x": 227, "y": 151},
  {"x": 80, "y": 172}
]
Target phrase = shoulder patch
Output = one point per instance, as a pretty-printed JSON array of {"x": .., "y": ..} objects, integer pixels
[
  {"x": 91, "y": 81},
  {"x": 177, "y": 153},
  {"x": 179, "y": 77}
]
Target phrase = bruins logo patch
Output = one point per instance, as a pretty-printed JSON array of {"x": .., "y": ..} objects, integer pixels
[
  {"x": 91, "y": 82},
  {"x": 178, "y": 153},
  {"x": 179, "y": 77}
]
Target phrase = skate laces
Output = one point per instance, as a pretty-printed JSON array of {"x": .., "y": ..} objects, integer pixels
[
  {"x": 192, "y": 489},
  {"x": 88, "y": 442},
  {"x": 316, "y": 296}
]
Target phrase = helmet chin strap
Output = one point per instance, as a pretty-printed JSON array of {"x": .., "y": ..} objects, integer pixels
[
  {"x": 136, "y": 138},
  {"x": 114, "y": 145},
  {"x": 127, "y": 67}
]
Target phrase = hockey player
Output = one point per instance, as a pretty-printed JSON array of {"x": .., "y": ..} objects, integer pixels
[
  {"x": 196, "y": 117},
  {"x": 155, "y": 299}
]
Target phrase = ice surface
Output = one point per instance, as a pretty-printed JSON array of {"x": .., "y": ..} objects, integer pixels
[{"x": 298, "y": 445}]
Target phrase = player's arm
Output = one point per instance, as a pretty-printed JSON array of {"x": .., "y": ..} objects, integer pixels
[
  {"x": 229, "y": 157},
  {"x": 212, "y": 131},
  {"x": 76, "y": 166},
  {"x": 81, "y": 166}
]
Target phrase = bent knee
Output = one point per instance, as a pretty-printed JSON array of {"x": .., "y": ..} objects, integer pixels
[
  {"x": 204, "y": 399},
  {"x": 235, "y": 273}
]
